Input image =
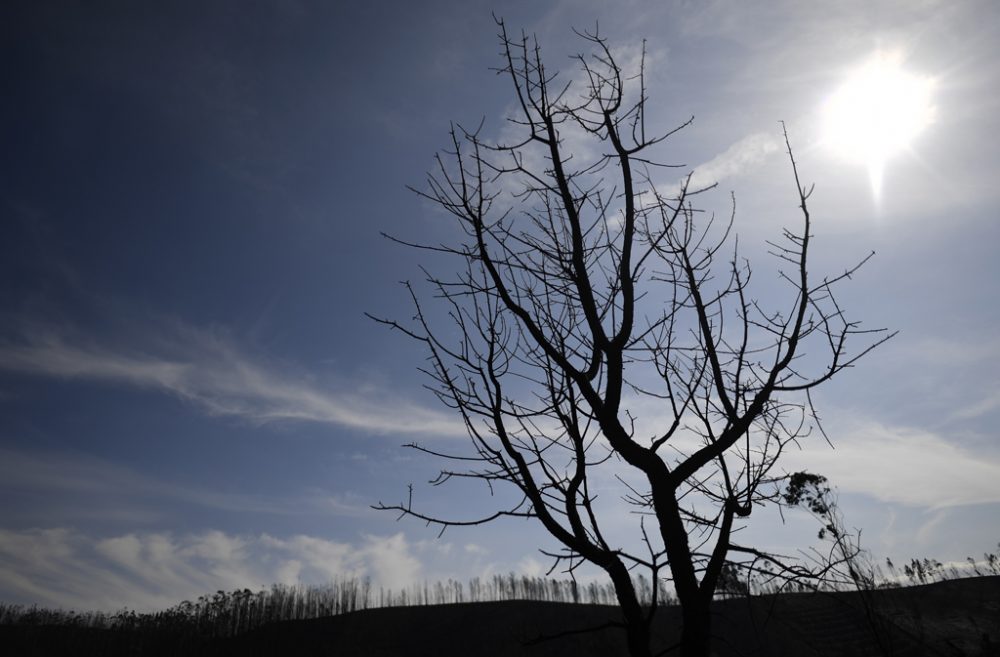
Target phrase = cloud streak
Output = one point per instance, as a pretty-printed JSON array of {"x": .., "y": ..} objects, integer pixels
[
  {"x": 85, "y": 486},
  {"x": 215, "y": 375}
]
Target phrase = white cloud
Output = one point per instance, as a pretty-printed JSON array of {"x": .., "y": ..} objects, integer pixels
[
  {"x": 531, "y": 567},
  {"x": 902, "y": 465},
  {"x": 213, "y": 373},
  {"x": 148, "y": 571},
  {"x": 390, "y": 560},
  {"x": 745, "y": 154}
]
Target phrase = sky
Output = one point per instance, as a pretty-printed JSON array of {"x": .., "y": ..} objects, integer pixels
[{"x": 192, "y": 196}]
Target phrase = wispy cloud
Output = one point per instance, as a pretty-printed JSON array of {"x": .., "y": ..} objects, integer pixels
[
  {"x": 902, "y": 465},
  {"x": 147, "y": 571},
  {"x": 985, "y": 406},
  {"x": 745, "y": 154},
  {"x": 213, "y": 373}
]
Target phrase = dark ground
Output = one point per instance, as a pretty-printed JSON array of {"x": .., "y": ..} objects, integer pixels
[{"x": 954, "y": 618}]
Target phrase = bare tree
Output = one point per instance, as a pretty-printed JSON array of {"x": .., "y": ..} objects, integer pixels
[{"x": 586, "y": 292}]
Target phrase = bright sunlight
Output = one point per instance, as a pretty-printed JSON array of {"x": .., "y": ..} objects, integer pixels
[{"x": 877, "y": 113}]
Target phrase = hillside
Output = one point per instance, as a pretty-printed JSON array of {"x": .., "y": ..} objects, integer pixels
[{"x": 951, "y": 618}]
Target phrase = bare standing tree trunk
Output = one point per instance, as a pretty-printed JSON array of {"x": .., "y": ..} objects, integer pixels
[{"x": 584, "y": 290}]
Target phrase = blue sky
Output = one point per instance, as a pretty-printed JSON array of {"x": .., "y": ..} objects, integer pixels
[{"x": 192, "y": 196}]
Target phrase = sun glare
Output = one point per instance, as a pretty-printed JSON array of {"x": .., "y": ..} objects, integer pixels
[{"x": 877, "y": 113}]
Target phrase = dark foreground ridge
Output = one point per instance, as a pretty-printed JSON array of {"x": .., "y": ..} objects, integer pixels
[{"x": 958, "y": 618}]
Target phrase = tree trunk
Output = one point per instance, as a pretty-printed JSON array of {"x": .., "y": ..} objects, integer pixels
[
  {"x": 696, "y": 631},
  {"x": 636, "y": 625},
  {"x": 637, "y": 636}
]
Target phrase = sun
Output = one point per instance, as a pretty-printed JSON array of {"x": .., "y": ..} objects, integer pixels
[{"x": 877, "y": 113}]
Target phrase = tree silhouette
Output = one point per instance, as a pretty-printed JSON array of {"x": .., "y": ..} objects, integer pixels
[{"x": 603, "y": 329}]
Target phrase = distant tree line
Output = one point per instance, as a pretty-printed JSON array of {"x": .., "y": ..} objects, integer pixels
[{"x": 225, "y": 614}]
